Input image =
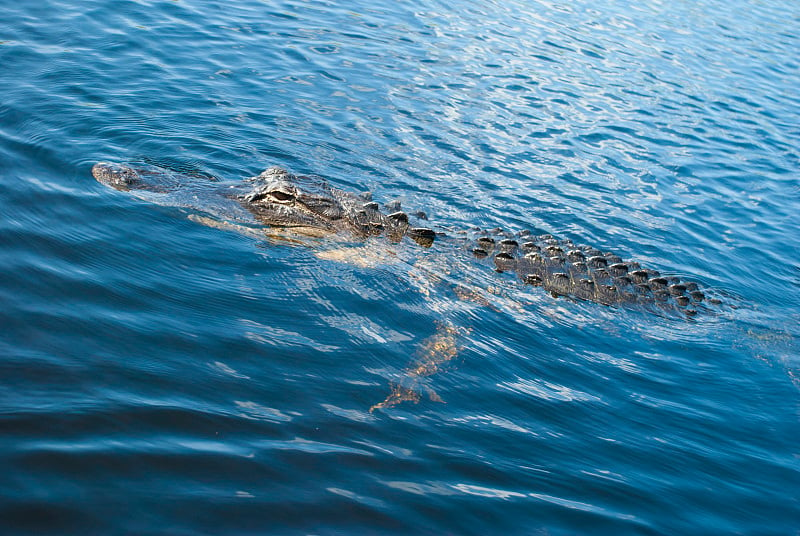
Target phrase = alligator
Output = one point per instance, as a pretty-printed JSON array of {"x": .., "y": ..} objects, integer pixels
[{"x": 308, "y": 206}]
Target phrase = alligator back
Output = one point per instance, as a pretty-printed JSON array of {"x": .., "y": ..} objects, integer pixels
[{"x": 586, "y": 273}]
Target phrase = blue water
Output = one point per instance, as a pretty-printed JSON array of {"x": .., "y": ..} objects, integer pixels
[{"x": 158, "y": 376}]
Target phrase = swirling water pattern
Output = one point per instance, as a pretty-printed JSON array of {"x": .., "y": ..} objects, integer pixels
[{"x": 164, "y": 377}]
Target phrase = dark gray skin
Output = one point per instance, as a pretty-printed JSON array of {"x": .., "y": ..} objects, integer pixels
[
  {"x": 586, "y": 273},
  {"x": 281, "y": 199},
  {"x": 310, "y": 206}
]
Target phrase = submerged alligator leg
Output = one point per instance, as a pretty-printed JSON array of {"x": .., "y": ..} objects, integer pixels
[
  {"x": 361, "y": 256},
  {"x": 259, "y": 234},
  {"x": 226, "y": 226},
  {"x": 436, "y": 350}
]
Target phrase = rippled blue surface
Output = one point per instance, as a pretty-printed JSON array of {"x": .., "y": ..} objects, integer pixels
[{"x": 165, "y": 377}]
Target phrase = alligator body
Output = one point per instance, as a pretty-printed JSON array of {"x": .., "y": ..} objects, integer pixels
[{"x": 310, "y": 206}]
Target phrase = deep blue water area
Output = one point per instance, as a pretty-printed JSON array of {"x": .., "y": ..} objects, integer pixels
[{"x": 161, "y": 376}]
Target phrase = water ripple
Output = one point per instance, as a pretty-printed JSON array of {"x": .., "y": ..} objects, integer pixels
[{"x": 161, "y": 373}]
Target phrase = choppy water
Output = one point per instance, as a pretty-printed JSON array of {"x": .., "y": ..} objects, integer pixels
[{"x": 158, "y": 376}]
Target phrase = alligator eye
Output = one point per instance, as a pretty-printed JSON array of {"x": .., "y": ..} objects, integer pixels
[{"x": 281, "y": 197}]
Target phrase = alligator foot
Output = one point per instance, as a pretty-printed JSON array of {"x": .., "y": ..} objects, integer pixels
[
  {"x": 400, "y": 394},
  {"x": 436, "y": 350}
]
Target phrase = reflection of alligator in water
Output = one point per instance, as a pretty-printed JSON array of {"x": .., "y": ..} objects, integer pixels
[{"x": 309, "y": 206}]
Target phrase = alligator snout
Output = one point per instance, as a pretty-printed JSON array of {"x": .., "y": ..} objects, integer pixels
[{"x": 116, "y": 176}]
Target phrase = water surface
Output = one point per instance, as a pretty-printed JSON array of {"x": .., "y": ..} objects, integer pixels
[{"x": 162, "y": 376}]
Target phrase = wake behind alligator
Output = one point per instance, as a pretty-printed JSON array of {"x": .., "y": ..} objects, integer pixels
[{"x": 310, "y": 206}]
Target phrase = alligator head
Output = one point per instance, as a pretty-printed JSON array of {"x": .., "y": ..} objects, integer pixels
[
  {"x": 310, "y": 206},
  {"x": 280, "y": 199}
]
